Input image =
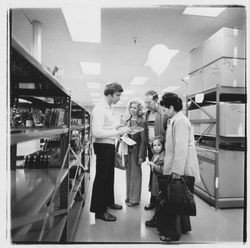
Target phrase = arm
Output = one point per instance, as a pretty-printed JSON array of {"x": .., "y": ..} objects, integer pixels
[
  {"x": 180, "y": 143},
  {"x": 142, "y": 149}
]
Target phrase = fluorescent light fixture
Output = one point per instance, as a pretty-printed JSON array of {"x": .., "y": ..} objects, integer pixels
[
  {"x": 84, "y": 22},
  {"x": 170, "y": 88},
  {"x": 93, "y": 85},
  {"x": 95, "y": 94},
  {"x": 139, "y": 80},
  {"x": 204, "y": 11},
  {"x": 128, "y": 92},
  {"x": 90, "y": 68}
]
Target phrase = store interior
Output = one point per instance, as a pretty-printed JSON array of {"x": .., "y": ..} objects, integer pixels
[{"x": 62, "y": 57}]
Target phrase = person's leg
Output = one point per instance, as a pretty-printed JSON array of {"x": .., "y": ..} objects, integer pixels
[
  {"x": 128, "y": 178},
  {"x": 136, "y": 179},
  {"x": 185, "y": 223},
  {"x": 170, "y": 228},
  {"x": 99, "y": 191},
  {"x": 152, "y": 200},
  {"x": 110, "y": 159}
]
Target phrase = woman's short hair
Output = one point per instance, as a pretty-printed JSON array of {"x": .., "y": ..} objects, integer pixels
[
  {"x": 153, "y": 94},
  {"x": 171, "y": 99},
  {"x": 139, "y": 104},
  {"x": 112, "y": 88}
]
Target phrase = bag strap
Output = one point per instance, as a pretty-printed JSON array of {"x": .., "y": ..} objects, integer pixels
[{"x": 184, "y": 182}]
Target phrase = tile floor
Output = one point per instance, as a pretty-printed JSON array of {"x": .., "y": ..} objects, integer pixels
[{"x": 209, "y": 226}]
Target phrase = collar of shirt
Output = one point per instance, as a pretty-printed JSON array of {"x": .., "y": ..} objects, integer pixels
[
  {"x": 176, "y": 116},
  {"x": 104, "y": 103}
]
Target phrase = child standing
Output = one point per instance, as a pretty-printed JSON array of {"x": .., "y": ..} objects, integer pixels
[{"x": 156, "y": 165}]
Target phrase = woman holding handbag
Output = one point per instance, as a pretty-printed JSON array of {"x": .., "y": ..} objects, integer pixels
[
  {"x": 136, "y": 153},
  {"x": 180, "y": 160}
]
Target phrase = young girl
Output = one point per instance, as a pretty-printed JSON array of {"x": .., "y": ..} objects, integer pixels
[{"x": 156, "y": 165}]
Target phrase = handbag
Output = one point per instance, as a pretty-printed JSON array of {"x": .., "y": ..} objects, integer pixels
[
  {"x": 176, "y": 195},
  {"x": 120, "y": 159}
]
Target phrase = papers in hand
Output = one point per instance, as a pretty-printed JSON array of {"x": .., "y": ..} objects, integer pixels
[
  {"x": 136, "y": 129},
  {"x": 127, "y": 140}
]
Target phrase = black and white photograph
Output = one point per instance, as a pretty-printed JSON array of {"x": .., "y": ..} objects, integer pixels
[{"x": 124, "y": 123}]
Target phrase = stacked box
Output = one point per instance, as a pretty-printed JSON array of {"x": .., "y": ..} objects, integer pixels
[
  {"x": 232, "y": 119},
  {"x": 195, "y": 114},
  {"x": 231, "y": 172},
  {"x": 195, "y": 84},
  {"x": 225, "y": 72},
  {"x": 227, "y": 42}
]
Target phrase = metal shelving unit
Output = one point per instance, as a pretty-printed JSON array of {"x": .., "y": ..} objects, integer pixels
[
  {"x": 216, "y": 176},
  {"x": 39, "y": 197}
]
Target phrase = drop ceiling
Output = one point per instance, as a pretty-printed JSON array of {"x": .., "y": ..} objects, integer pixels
[{"x": 121, "y": 58}]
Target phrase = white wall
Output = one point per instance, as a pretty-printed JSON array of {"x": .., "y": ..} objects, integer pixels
[
  {"x": 21, "y": 29},
  {"x": 22, "y": 32}
]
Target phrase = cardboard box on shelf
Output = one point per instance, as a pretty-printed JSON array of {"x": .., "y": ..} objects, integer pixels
[
  {"x": 195, "y": 84},
  {"x": 225, "y": 72},
  {"x": 195, "y": 58},
  {"x": 195, "y": 114},
  {"x": 226, "y": 42},
  {"x": 232, "y": 120}
]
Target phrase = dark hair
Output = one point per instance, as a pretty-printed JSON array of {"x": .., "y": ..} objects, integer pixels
[
  {"x": 161, "y": 140},
  {"x": 152, "y": 93},
  {"x": 171, "y": 99},
  {"x": 112, "y": 88}
]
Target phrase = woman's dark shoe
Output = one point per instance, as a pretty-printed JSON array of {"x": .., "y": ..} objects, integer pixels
[
  {"x": 132, "y": 204},
  {"x": 115, "y": 206},
  {"x": 106, "y": 216},
  {"x": 168, "y": 239},
  {"x": 150, "y": 206},
  {"x": 151, "y": 223}
]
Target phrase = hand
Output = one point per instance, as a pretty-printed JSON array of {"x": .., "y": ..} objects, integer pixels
[
  {"x": 123, "y": 130},
  {"x": 119, "y": 126},
  {"x": 140, "y": 161},
  {"x": 150, "y": 163},
  {"x": 175, "y": 176}
]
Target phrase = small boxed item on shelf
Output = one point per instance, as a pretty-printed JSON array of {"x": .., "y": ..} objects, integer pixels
[
  {"x": 225, "y": 72},
  {"x": 54, "y": 117},
  {"x": 226, "y": 42}
]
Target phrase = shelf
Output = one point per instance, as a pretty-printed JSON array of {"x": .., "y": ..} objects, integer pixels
[
  {"x": 32, "y": 63},
  {"x": 31, "y": 188},
  {"x": 223, "y": 139},
  {"x": 77, "y": 127},
  {"x": 202, "y": 121},
  {"x": 26, "y": 134},
  {"x": 51, "y": 235},
  {"x": 223, "y": 90},
  {"x": 73, "y": 219},
  {"x": 54, "y": 234},
  {"x": 225, "y": 202},
  {"x": 77, "y": 185}
]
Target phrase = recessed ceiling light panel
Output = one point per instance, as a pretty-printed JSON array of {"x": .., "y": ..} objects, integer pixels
[{"x": 204, "y": 11}]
